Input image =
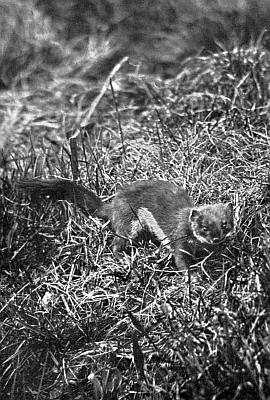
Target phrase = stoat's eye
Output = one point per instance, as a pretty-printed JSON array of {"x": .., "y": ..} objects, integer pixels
[
  {"x": 204, "y": 228},
  {"x": 224, "y": 225}
]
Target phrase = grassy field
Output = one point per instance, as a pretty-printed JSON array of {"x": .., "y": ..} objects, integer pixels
[{"x": 77, "y": 321}]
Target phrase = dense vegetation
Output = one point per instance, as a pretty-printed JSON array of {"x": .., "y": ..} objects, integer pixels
[{"x": 77, "y": 321}]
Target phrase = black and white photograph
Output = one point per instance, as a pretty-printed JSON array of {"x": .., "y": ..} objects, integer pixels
[{"x": 135, "y": 200}]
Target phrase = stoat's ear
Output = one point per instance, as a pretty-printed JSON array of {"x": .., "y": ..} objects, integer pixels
[{"x": 194, "y": 214}]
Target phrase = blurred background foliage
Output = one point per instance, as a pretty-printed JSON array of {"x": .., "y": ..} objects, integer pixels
[{"x": 42, "y": 33}]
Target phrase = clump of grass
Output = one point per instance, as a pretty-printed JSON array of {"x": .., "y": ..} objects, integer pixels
[{"x": 79, "y": 321}]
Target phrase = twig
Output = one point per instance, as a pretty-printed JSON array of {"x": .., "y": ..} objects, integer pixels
[
  {"x": 72, "y": 138},
  {"x": 118, "y": 118},
  {"x": 94, "y": 104}
]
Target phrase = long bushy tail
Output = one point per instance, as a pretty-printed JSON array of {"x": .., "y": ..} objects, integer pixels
[{"x": 62, "y": 189}]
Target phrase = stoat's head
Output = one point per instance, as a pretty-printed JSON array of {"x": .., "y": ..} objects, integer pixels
[{"x": 212, "y": 224}]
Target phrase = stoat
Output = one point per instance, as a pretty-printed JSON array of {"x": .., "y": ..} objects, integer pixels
[{"x": 158, "y": 207}]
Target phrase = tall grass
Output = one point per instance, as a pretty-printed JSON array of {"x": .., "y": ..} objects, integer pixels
[{"x": 79, "y": 321}]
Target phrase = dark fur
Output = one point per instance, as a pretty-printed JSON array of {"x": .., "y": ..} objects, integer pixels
[{"x": 160, "y": 207}]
